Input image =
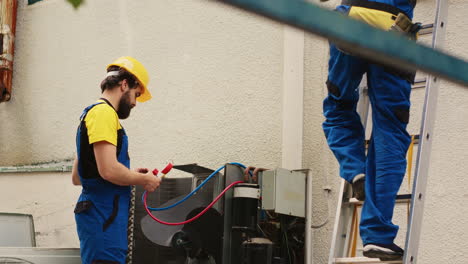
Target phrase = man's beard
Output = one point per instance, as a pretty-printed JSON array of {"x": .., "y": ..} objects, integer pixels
[{"x": 124, "y": 106}]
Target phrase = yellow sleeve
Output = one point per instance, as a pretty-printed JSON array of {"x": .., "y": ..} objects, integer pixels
[{"x": 102, "y": 123}]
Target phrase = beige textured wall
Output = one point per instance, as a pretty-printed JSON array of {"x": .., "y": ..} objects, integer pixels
[{"x": 217, "y": 79}]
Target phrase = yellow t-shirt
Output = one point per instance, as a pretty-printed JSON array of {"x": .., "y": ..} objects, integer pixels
[{"x": 102, "y": 123}]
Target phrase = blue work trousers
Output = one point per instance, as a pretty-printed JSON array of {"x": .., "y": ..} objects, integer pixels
[{"x": 385, "y": 162}]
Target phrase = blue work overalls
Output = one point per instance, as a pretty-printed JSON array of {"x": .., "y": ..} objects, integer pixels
[
  {"x": 101, "y": 213},
  {"x": 385, "y": 163}
]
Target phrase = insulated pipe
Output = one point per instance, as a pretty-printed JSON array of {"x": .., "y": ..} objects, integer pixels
[
  {"x": 7, "y": 37},
  {"x": 245, "y": 207}
]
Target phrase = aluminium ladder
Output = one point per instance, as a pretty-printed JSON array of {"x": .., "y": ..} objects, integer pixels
[{"x": 345, "y": 223}]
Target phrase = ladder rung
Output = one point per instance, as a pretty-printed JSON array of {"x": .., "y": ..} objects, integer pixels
[
  {"x": 426, "y": 29},
  {"x": 365, "y": 260},
  {"x": 401, "y": 198}
]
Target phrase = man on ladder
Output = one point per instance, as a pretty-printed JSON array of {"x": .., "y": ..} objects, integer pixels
[{"x": 377, "y": 176}]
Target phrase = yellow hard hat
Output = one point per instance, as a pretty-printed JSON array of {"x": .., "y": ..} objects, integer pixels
[{"x": 136, "y": 68}]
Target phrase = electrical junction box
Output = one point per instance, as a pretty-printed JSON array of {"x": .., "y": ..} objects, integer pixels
[{"x": 284, "y": 191}]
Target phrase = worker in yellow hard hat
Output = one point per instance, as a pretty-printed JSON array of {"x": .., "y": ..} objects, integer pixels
[
  {"x": 376, "y": 173},
  {"x": 102, "y": 165}
]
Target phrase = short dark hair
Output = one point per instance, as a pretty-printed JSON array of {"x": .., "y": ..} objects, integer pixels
[{"x": 112, "y": 81}]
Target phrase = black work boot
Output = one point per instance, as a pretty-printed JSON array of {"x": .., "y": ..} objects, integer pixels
[
  {"x": 358, "y": 187},
  {"x": 384, "y": 252}
]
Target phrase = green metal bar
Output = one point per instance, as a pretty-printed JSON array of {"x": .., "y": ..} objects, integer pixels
[{"x": 387, "y": 48}]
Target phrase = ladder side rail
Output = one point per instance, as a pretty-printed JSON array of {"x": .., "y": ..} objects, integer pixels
[{"x": 425, "y": 144}]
